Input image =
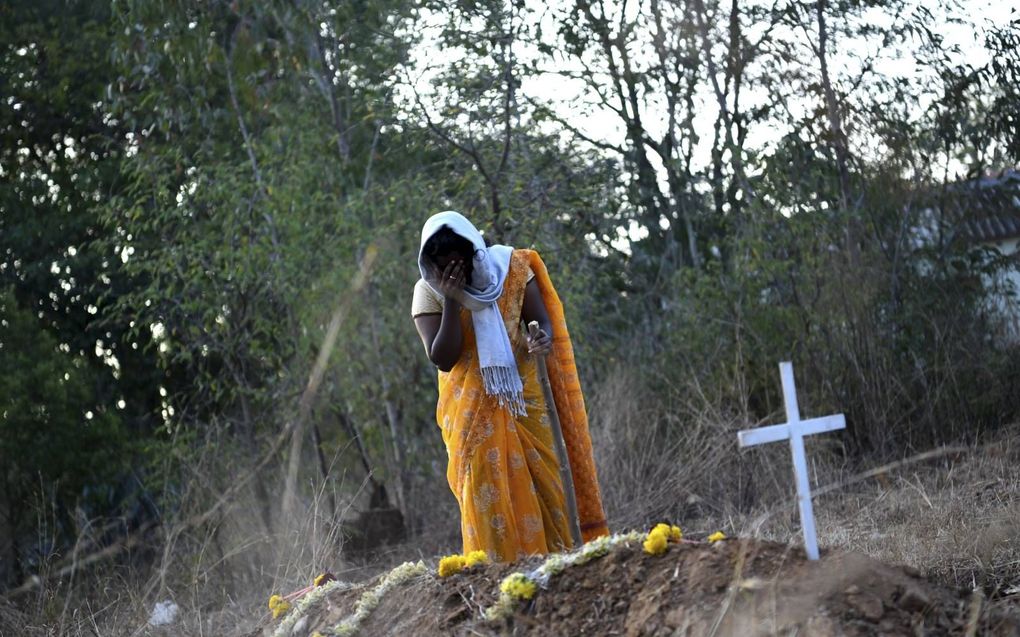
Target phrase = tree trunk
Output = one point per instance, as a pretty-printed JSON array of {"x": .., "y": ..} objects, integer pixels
[
  {"x": 324, "y": 470},
  {"x": 392, "y": 419},
  {"x": 251, "y": 444},
  {"x": 839, "y": 140}
]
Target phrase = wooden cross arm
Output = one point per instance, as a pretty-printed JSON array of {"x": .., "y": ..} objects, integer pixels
[{"x": 775, "y": 433}]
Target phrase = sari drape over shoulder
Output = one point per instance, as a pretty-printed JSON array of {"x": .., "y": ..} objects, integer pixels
[{"x": 503, "y": 468}]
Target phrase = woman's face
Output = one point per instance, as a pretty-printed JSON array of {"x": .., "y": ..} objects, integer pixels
[{"x": 443, "y": 260}]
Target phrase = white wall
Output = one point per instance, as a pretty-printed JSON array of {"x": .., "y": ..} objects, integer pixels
[{"x": 1009, "y": 306}]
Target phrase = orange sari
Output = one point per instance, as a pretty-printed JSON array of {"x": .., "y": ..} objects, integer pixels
[{"x": 503, "y": 468}]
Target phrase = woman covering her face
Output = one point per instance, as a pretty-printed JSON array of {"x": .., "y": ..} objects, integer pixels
[{"x": 470, "y": 308}]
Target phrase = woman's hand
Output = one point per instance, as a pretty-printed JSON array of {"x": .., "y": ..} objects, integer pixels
[
  {"x": 533, "y": 311},
  {"x": 451, "y": 280},
  {"x": 441, "y": 334},
  {"x": 540, "y": 344}
]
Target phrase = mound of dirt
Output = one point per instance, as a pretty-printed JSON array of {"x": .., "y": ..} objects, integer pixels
[{"x": 734, "y": 587}]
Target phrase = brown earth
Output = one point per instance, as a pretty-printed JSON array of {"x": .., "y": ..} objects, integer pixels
[{"x": 733, "y": 588}]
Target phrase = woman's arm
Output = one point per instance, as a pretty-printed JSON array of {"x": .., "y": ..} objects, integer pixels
[
  {"x": 534, "y": 310},
  {"x": 441, "y": 335}
]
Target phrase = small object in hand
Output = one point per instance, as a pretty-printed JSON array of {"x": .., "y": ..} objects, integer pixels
[{"x": 536, "y": 334}]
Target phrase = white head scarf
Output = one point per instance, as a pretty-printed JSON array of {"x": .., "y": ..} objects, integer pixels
[{"x": 480, "y": 294}]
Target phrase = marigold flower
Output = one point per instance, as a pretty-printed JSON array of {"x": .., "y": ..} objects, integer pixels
[
  {"x": 518, "y": 586},
  {"x": 274, "y": 601},
  {"x": 554, "y": 565},
  {"x": 281, "y": 608},
  {"x": 451, "y": 565},
  {"x": 715, "y": 537},
  {"x": 656, "y": 541},
  {"x": 324, "y": 578},
  {"x": 672, "y": 532},
  {"x": 476, "y": 557}
]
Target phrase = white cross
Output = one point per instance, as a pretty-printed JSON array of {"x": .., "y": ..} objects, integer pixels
[{"x": 794, "y": 430}]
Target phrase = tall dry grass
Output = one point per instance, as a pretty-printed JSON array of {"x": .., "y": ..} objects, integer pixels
[
  {"x": 661, "y": 455},
  {"x": 219, "y": 572},
  {"x": 952, "y": 513}
]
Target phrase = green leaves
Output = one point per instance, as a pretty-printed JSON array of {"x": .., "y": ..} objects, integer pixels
[{"x": 55, "y": 433}]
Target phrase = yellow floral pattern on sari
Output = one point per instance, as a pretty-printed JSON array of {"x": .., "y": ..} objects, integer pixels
[{"x": 503, "y": 469}]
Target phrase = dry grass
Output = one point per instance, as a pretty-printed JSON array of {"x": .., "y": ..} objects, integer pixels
[
  {"x": 954, "y": 517},
  {"x": 657, "y": 461},
  {"x": 219, "y": 573},
  {"x": 957, "y": 520}
]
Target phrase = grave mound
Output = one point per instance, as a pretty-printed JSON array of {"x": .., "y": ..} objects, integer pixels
[{"x": 735, "y": 587}]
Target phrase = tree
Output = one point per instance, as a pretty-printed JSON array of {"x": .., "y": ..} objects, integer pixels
[
  {"x": 60, "y": 446},
  {"x": 60, "y": 158}
]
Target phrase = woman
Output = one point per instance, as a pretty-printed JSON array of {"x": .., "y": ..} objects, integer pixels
[{"x": 470, "y": 308}]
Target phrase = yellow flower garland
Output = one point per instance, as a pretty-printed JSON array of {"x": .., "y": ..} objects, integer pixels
[
  {"x": 524, "y": 585},
  {"x": 451, "y": 565},
  {"x": 514, "y": 588},
  {"x": 323, "y": 579},
  {"x": 278, "y": 606},
  {"x": 274, "y": 601},
  {"x": 657, "y": 539},
  {"x": 656, "y": 542},
  {"x": 518, "y": 586},
  {"x": 311, "y": 598},
  {"x": 476, "y": 557},
  {"x": 371, "y": 598}
]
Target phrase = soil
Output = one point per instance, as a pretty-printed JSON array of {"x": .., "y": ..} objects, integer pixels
[{"x": 732, "y": 588}]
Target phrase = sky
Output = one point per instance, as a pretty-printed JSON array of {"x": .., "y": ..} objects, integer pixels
[
  {"x": 960, "y": 22},
  {"x": 573, "y": 103}
]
